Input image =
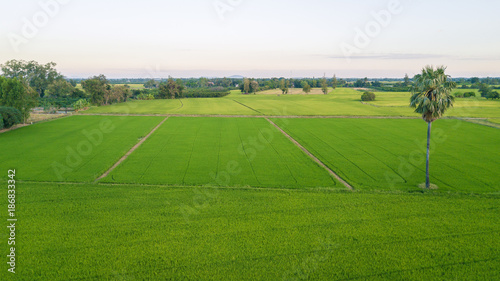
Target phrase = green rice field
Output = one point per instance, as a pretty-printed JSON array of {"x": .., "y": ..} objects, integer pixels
[
  {"x": 226, "y": 195},
  {"x": 221, "y": 151},
  {"x": 390, "y": 154}
]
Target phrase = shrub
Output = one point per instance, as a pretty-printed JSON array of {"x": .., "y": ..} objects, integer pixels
[
  {"x": 368, "y": 96},
  {"x": 10, "y": 116},
  {"x": 469, "y": 94},
  {"x": 1, "y": 123},
  {"x": 458, "y": 95},
  {"x": 144, "y": 96},
  {"x": 493, "y": 95},
  {"x": 81, "y": 104},
  {"x": 216, "y": 92}
]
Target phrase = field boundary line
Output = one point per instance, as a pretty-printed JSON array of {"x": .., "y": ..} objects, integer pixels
[
  {"x": 247, "y": 106},
  {"x": 312, "y": 156},
  {"x": 256, "y": 116},
  {"x": 130, "y": 151}
]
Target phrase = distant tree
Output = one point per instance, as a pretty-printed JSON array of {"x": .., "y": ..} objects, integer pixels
[
  {"x": 306, "y": 87},
  {"x": 16, "y": 94},
  {"x": 59, "y": 88},
  {"x": 98, "y": 89},
  {"x": 324, "y": 86},
  {"x": 226, "y": 82},
  {"x": 180, "y": 89},
  {"x": 254, "y": 87},
  {"x": 35, "y": 75},
  {"x": 474, "y": 80},
  {"x": 359, "y": 83},
  {"x": 150, "y": 84},
  {"x": 246, "y": 85},
  {"x": 283, "y": 87},
  {"x": 406, "y": 81},
  {"x": 368, "y": 96},
  {"x": 72, "y": 82},
  {"x": 203, "y": 82},
  {"x": 493, "y": 95},
  {"x": 171, "y": 89},
  {"x": 335, "y": 82},
  {"x": 484, "y": 90},
  {"x": 376, "y": 84},
  {"x": 431, "y": 97},
  {"x": 120, "y": 93}
]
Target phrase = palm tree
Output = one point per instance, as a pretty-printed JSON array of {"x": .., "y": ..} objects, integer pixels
[{"x": 431, "y": 97}]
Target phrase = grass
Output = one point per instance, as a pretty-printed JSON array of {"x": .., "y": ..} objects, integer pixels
[
  {"x": 390, "y": 154},
  {"x": 60, "y": 150},
  {"x": 221, "y": 151},
  {"x": 97, "y": 232},
  {"x": 339, "y": 102},
  {"x": 212, "y": 106}
]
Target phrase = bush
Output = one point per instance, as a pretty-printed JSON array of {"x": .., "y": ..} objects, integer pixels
[
  {"x": 144, "y": 96},
  {"x": 458, "y": 95},
  {"x": 10, "y": 116},
  {"x": 493, "y": 95},
  {"x": 368, "y": 96},
  {"x": 469, "y": 94},
  {"x": 1, "y": 123},
  {"x": 216, "y": 92},
  {"x": 81, "y": 104}
]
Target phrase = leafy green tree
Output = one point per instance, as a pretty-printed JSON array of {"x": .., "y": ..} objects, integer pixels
[
  {"x": 35, "y": 75},
  {"x": 431, "y": 97},
  {"x": 246, "y": 85},
  {"x": 98, "y": 88},
  {"x": 171, "y": 89},
  {"x": 493, "y": 95},
  {"x": 59, "y": 88},
  {"x": 254, "y": 87},
  {"x": 406, "y": 81},
  {"x": 14, "y": 93},
  {"x": 484, "y": 90},
  {"x": 284, "y": 86},
  {"x": 324, "y": 86},
  {"x": 335, "y": 82},
  {"x": 9, "y": 117},
  {"x": 306, "y": 87},
  {"x": 180, "y": 89},
  {"x": 150, "y": 84}
]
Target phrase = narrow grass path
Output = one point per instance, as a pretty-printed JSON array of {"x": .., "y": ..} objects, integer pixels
[
  {"x": 312, "y": 156},
  {"x": 130, "y": 152}
]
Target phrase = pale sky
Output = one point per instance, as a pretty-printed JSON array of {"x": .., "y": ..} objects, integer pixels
[{"x": 254, "y": 38}]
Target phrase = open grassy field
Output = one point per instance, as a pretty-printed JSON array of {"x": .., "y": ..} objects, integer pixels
[
  {"x": 390, "y": 154},
  {"x": 96, "y": 232},
  {"x": 211, "y": 106},
  {"x": 221, "y": 151},
  {"x": 212, "y": 198},
  {"x": 339, "y": 102},
  {"x": 463, "y": 107},
  {"x": 76, "y": 149}
]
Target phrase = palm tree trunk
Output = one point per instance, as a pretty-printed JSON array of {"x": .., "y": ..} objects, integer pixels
[{"x": 427, "y": 181}]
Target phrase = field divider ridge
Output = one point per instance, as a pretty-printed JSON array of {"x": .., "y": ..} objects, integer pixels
[
  {"x": 240, "y": 103},
  {"x": 130, "y": 151},
  {"x": 314, "y": 158}
]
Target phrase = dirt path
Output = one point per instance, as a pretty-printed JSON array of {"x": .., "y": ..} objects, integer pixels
[
  {"x": 312, "y": 156},
  {"x": 257, "y": 116},
  {"x": 130, "y": 152}
]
